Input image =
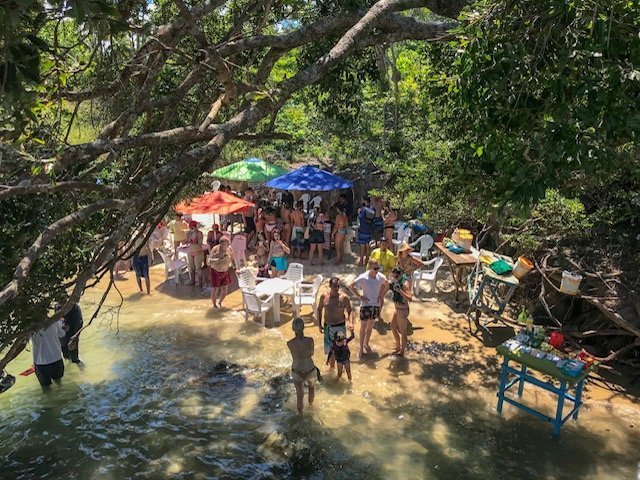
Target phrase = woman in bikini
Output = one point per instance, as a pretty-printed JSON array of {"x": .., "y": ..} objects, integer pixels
[
  {"x": 277, "y": 255},
  {"x": 303, "y": 370},
  {"x": 389, "y": 218},
  {"x": 316, "y": 237},
  {"x": 285, "y": 214},
  {"x": 339, "y": 234},
  {"x": 401, "y": 297}
]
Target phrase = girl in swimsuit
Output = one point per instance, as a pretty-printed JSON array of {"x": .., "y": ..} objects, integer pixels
[
  {"x": 271, "y": 222},
  {"x": 303, "y": 370},
  {"x": 339, "y": 234},
  {"x": 407, "y": 263}
]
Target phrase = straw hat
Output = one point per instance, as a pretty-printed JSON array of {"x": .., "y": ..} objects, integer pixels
[{"x": 404, "y": 247}]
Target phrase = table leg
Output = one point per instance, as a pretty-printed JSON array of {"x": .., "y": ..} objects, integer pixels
[
  {"x": 276, "y": 308},
  {"x": 503, "y": 382},
  {"x": 578, "y": 398},
  {"x": 557, "y": 423},
  {"x": 523, "y": 372}
]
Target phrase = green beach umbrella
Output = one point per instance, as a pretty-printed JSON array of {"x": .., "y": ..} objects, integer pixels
[{"x": 253, "y": 170}]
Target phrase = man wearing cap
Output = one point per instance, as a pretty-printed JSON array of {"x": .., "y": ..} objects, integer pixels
[
  {"x": 336, "y": 307},
  {"x": 385, "y": 257},
  {"x": 374, "y": 286},
  {"x": 221, "y": 260},
  {"x": 303, "y": 370}
]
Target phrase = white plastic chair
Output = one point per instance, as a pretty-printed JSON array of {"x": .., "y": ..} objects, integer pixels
[
  {"x": 257, "y": 306},
  {"x": 239, "y": 247},
  {"x": 294, "y": 273},
  {"x": 305, "y": 201},
  {"x": 403, "y": 234},
  {"x": 426, "y": 243},
  {"x": 315, "y": 201},
  {"x": 215, "y": 185},
  {"x": 177, "y": 267},
  {"x": 427, "y": 273},
  {"x": 279, "y": 198},
  {"x": 306, "y": 294}
]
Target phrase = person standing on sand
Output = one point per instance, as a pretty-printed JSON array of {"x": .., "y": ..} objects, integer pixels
[
  {"x": 248, "y": 215},
  {"x": 378, "y": 223},
  {"x": 178, "y": 227},
  {"x": 336, "y": 308},
  {"x": 221, "y": 260},
  {"x": 297, "y": 232},
  {"x": 385, "y": 257},
  {"x": 374, "y": 286},
  {"x": 339, "y": 234},
  {"x": 278, "y": 251},
  {"x": 195, "y": 253},
  {"x": 401, "y": 298},
  {"x": 303, "y": 370}
]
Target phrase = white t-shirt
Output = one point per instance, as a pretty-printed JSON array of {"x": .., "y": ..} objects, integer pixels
[
  {"x": 370, "y": 288},
  {"x": 46, "y": 344}
]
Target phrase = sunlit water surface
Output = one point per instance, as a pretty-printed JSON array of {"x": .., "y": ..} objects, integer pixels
[{"x": 171, "y": 389}]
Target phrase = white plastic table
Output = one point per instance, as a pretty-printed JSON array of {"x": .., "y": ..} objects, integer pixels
[{"x": 275, "y": 287}]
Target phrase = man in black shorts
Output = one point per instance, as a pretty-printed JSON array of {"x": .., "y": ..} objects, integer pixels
[
  {"x": 374, "y": 286},
  {"x": 47, "y": 353}
]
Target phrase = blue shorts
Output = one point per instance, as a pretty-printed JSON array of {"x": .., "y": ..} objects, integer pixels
[
  {"x": 364, "y": 237},
  {"x": 280, "y": 263},
  {"x": 141, "y": 266}
]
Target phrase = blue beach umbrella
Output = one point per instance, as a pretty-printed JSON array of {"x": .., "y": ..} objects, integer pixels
[{"x": 311, "y": 179}]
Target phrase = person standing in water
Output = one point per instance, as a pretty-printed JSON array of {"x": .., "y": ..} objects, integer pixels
[
  {"x": 221, "y": 260},
  {"x": 303, "y": 370},
  {"x": 374, "y": 286},
  {"x": 70, "y": 345},
  {"x": 401, "y": 298},
  {"x": 47, "y": 353},
  {"x": 336, "y": 309},
  {"x": 341, "y": 353}
]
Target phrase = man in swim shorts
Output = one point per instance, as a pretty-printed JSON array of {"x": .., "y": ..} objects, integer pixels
[
  {"x": 337, "y": 311},
  {"x": 374, "y": 286}
]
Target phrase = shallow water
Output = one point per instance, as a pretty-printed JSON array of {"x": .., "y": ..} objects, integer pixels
[{"x": 173, "y": 389}]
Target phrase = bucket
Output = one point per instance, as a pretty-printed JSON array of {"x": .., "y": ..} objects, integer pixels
[
  {"x": 522, "y": 267},
  {"x": 570, "y": 283}
]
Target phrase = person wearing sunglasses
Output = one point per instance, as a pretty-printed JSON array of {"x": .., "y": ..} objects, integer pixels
[{"x": 373, "y": 285}]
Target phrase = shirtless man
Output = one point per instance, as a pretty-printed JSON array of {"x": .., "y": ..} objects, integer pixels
[
  {"x": 337, "y": 310},
  {"x": 297, "y": 234},
  {"x": 303, "y": 370}
]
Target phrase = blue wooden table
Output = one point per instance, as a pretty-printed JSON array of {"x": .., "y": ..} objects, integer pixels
[{"x": 511, "y": 376}]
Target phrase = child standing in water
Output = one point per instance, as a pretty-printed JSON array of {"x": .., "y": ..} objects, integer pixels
[{"x": 340, "y": 348}]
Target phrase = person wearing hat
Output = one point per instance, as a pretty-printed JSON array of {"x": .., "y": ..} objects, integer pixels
[
  {"x": 408, "y": 263},
  {"x": 303, "y": 370},
  {"x": 195, "y": 253},
  {"x": 385, "y": 257}
]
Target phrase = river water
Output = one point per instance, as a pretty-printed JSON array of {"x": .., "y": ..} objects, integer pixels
[{"x": 171, "y": 388}]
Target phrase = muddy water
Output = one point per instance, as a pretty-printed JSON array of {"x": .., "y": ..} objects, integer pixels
[{"x": 174, "y": 389}]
